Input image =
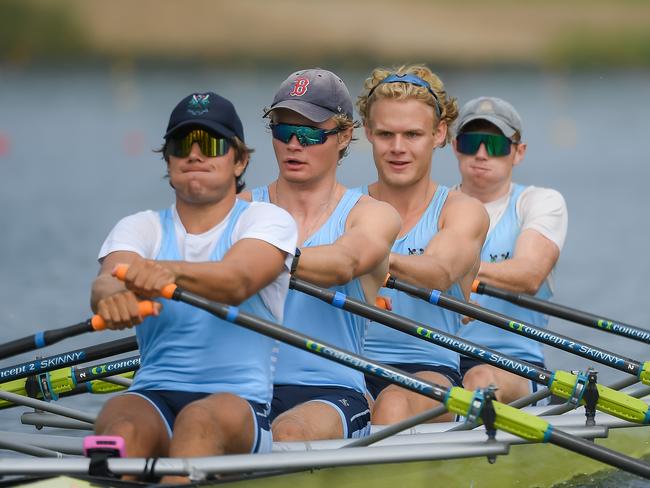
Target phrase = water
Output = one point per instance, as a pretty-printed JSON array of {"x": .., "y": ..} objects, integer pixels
[{"x": 75, "y": 156}]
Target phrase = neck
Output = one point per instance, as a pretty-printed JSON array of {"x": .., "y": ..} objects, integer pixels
[
  {"x": 310, "y": 204},
  {"x": 198, "y": 218},
  {"x": 409, "y": 202},
  {"x": 485, "y": 195}
]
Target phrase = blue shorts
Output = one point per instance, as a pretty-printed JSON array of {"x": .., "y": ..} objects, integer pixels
[
  {"x": 169, "y": 404},
  {"x": 468, "y": 363},
  {"x": 375, "y": 385},
  {"x": 351, "y": 405}
]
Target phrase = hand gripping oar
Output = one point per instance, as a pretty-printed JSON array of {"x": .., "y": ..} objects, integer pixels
[
  {"x": 627, "y": 365},
  {"x": 561, "y": 383},
  {"x": 71, "y": 380},
  {"x": 71, "y": 358},
  {"x": 564, "y": 312},
  {"x": 48, "y": 337},
  {"x": 456, "y": 399}
]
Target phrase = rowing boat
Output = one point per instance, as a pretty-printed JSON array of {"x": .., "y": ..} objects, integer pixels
[{"x": 413, "y": 458}]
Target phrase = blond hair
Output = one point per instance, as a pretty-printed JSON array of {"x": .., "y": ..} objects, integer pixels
[{"x": 374, "y": 89}]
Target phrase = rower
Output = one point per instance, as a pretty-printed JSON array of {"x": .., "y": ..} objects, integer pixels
[
  {"x": 345, "y": 239},
  {"x": 204, "y": 385},
  {"x": 406, "y": 114},
  {"x": 528, "y": 226}
]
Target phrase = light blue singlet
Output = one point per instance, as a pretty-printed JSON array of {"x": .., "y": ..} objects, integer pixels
[
  {"x": 188, "y": 349},
  {"x": 499, "y": 246},
  {"x": 391, "y": 346},
  {"x": 317, "y": 319}
]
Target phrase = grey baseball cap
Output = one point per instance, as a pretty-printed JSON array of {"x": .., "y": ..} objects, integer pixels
[
  {"x": 494, "y": 110},
  {"x": 316, "y": 93}
]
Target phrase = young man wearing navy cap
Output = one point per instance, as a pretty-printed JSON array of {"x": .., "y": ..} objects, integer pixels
[
  {"x": 406, "y": 114},
  {"x": 204, "y": 385},
  {"x": 528, "y": 226},
  {"x": 344, "y": 240}
]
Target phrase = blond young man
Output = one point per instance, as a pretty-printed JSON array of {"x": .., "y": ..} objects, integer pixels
[
  {"x": 344, "y": 240},
  {"x": 527, "y": 230},
  {"x": 406, "y": 115}
]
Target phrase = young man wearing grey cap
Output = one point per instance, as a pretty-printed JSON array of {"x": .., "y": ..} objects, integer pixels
[
  {"x": 406, "y": 114},
  {"x": 344, "y": 241},
  {"x": 527, "y": 230},
  {"x": 204, "y": 385}
]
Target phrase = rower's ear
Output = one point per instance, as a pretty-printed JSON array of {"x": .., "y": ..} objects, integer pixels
[{"x": 520, "y": 152}]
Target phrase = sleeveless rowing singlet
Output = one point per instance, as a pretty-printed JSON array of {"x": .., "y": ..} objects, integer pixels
[{"x": 189, "y": 349}]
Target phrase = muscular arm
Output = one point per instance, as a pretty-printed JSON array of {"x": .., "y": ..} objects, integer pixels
[
  {"x": 454, "y": 252},
  {"x": 533, "y": 260},
  {"x": 370, "y": 232}
]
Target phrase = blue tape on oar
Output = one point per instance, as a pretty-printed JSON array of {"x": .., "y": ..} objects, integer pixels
[
  {"x": 39, "y": 339},
  {"x": 233, "y": 313},
  {"x": 434, "y": 297},
  {"x": 339, "y": 299},
  {"x": 547, "y": 433},
  {"x": 646, "y": 419}
]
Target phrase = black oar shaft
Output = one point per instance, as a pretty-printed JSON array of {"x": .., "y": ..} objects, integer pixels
[
  {"x": 425, "y": 332},
  {"x": 110, "y": 368},
  {"x": 544, "y": 336},
  {"x": 393, "y": 375},
  {"x": 566, "y": 313},
  {"x": 600, "y": 453},
  {"x": 293, "y": 338},
  {"x": 42, "y": 339},
  {"x": 71, "y": 358}
]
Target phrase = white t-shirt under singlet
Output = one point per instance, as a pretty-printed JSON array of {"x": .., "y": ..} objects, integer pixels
[{"x": 141, "y": 233}]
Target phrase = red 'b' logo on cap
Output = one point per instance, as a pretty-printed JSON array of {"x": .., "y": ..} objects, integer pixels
[{"x": 299, "y": 87}]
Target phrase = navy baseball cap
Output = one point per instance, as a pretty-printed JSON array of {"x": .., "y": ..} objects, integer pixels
[
  {"x": 316, "y": 93},
  {"x": 207, "y": 110}
]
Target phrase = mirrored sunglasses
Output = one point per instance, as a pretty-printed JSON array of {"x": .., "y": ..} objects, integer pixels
[
  {"x": 495, "y": 145},
  {"x": 307, "y": 136},
  {"x": 210, "y": 145}
]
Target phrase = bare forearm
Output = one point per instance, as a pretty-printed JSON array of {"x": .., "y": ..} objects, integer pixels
[
  {"x": 421, "y": 270},
  {"x": 513, "y": 274},
  {"x": 326, "y": 266}
]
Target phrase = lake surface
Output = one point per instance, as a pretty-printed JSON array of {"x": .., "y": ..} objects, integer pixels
[{"x": 76, "y": 156}]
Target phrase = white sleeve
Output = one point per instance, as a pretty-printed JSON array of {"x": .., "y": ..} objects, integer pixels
[
  {"x": 544, "y": 210},
  {"x": 271, "y": 224},
  {"x": 140, "y": 233}
]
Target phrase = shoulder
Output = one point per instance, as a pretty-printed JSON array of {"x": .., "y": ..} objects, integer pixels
[
  {"x": 264, "y": 210},
  {"x": 145, "y": 218},
  {"x": 269, "y": 223},
  {"x": 369, "y": 208},
  {"x": 533, "y": 196},
  {"x": 457, "y": 201}
]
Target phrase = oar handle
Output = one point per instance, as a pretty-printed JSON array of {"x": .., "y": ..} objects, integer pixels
[
  {"x": 120, "y": 273},
  {"x": 145, "y": 308}
]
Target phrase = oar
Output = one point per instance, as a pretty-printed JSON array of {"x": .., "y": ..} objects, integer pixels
[
  {"x": 573, "y": 346},
  {"x": 48, "y": 337},
  {"x": 456, "y": 399},
  {"x": 561, "y": 383},
  {"x": 564, "y": 312},
  {"x": 71, "y": 380},
  {"x": 90, "y": 353}
]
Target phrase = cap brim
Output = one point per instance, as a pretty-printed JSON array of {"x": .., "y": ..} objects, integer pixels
[
  {"x": 219, "y": 129},
  {"x": 312, "y": 112},
  {"x": 500, "y": 124}
]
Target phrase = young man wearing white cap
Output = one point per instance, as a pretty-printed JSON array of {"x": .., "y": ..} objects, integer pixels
[
  {"x": 406, "y": 114},
  {"x": 528, "y": 226},
  {"x": 204, "y": 385},
  {"x": 344, "y": 240}
]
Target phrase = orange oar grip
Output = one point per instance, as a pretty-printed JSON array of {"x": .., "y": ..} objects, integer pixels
[
  {"x": 168, "y": 291},
  {"x": 120, "y": 271},
  {"x": 145, "y": 308},
  {"x": 380, "y": 302},
  {"x": 475, "y": 284}
]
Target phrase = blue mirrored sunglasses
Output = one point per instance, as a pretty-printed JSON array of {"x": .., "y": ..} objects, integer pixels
[{"x": 306, "y": 135}]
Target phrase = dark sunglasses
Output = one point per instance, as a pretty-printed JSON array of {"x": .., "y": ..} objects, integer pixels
[
  {"x": 495, "y": 145},
  {"x": 307, "y": 136},
  {"x": 210, "y": 145}
]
